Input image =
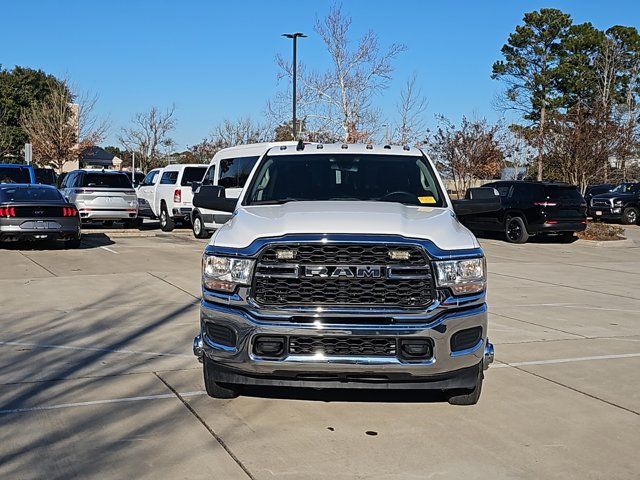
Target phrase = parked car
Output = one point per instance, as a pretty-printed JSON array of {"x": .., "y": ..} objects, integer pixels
[
  {"x": 169, "y": 198},
  {"x": 533, "y": 208},
  {"x": 46, "y": 176},
  {"x": 14, "y": 173},
  {"x": 37, "y": 212},
  {"x": 344, "y": 266},
  {"x": 592, "y": 190},
  {"x": 102, "y": 196},
  {"x": 229, "y": 168},
  {"x": 620, "y": 204}
]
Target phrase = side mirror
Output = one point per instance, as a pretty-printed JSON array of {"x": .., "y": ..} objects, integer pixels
[
  {"x": 212, "y": 197},
  {"x": 478, "y": 200},
  {"x": 195, "y": 186}
]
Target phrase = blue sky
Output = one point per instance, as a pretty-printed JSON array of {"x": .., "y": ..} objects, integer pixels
[{"x": 215, "y": 60}]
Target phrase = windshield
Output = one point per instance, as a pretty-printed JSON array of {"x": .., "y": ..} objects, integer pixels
[
  {"x": 626, "y": 188},
  {"x": 45, "y": 175},
  {"x": 348, "y": 177},
  {"x": 14, "y": 175},
  {"x": 106, "y": 180},
  {"x": 30, "y": 194}
]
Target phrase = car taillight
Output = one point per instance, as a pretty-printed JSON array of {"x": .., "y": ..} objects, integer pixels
[
  {"x": 546, "y": 204},
  {"x": 177, "y": 196},
  {"x": 69, "y": 211},
  {"x": 7, "y": 212}
]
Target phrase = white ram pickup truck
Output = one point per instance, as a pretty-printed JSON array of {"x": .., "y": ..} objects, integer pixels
[{"x": 344, "y": 266}]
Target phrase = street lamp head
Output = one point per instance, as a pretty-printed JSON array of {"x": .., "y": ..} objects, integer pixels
[{"x": 294, "y": 35}]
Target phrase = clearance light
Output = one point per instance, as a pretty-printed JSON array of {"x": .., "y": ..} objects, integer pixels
[
  {"x": 286, "y": 254},
  {"x": 399, "y": 255}
]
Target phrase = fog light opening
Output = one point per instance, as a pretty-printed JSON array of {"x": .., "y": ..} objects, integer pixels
[
  {"x": 414, "y": 349},
  {"x": 269, "y": 346}
]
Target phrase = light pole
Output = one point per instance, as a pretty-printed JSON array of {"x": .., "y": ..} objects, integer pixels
[{"x": 294, "y": 37}]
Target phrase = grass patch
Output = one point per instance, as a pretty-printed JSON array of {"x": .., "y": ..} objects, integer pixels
[{"x": 602, "y": 232}]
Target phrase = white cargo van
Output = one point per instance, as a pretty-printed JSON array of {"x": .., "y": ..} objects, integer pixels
[{"x": 229, "y": 168}]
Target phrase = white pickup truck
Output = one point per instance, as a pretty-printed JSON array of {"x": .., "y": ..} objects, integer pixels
[
  {"x": 344, "y": 266},
  {"x": 165, "y": 193}
]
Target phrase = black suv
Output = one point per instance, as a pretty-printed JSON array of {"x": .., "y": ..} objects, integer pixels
[
  {"x": 532, "y": 208},
  {"x": 622, "y": 204}
]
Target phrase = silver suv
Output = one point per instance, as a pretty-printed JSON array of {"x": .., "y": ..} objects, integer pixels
[{"x": 102, "y": 195}]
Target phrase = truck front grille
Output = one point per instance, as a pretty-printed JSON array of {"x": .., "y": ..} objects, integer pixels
[
  {"x": 404, "y": 280},
  {"x": 342, "y": 346},
  {"x": 600, "y": 202}
]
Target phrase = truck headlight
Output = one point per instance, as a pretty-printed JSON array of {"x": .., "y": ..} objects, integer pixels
[
  {"x": 225, "y": 273},
  {"x": 618, "y": 203},
  {"x": 462, "y": 276}
]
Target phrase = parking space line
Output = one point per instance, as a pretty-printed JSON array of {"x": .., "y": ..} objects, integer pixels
[
  {"x": 94, "y": 349},
  {"x": 101, "y": 402},
  {"x": 109, "y": 250},
  {"x": 566, "y": 360}
]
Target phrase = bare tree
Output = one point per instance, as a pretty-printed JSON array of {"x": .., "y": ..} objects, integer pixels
[
  {"x": 469, "y": 152},
  {"x": 412, "y": 127},
  {"x": 230, "y": 133},
  {"x": 149, "y": 137},
  {"x": 62, "y": 125},
  {"x": 339, "y": 101}
]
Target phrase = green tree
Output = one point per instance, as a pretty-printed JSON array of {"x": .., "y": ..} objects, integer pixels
[
  {"x": 20, "y": 88},
  {"x": 529, "y": 69}
]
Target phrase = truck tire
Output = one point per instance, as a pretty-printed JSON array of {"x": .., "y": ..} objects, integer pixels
[
  {"x": 215, "y": 389},
  {"x": 567, "y": 237},
  {"x": 464, "y": 396},
  {"x": 166, "y": 221},
  {"x": 198, "y": 227},
  {"x": 515, "y": 230},
  {"x": 630, "y": 216}
]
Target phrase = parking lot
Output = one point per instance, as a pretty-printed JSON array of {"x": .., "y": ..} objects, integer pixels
[{"x": 97, "y": 378}]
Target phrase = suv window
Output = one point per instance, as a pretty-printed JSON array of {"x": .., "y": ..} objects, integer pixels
[
  {"x": 150, "y": 179},
  {"x": 234, "y": 172},
  {"x": 562, "y": 193},
  {"x": 106, "y": 180},
  {"x": 210, "y": 176},
  {"x": 69, "y": 179},
  {"x": 526, "y": 193},
  {"x": 45, "y": 175},
  {"x": 15, "y": 174},
  {"x": 192, "y": 174},
  {"x": 169, "y": 178}
]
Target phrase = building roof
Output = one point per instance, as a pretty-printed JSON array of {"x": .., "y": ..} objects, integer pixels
[{"x": 96, "y": 156}]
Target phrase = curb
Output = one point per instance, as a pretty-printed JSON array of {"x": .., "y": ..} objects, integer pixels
[{"x": 627, "y": 242}]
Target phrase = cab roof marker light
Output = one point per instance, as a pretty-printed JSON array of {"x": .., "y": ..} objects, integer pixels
[
  {"x": 320, "y": 146},
  {"x": 387, "y": 147},
  {"x": 369, "y": 146},
  {"x": 406, "y": 148},
  {"x": 344, "y": 146},
  {"x": 283, "y": 147}
]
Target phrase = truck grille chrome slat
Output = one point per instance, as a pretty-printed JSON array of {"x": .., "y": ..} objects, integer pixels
[{"x": 343, "y": 275}]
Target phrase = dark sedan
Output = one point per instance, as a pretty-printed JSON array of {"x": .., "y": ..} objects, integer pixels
[{"x": 37, "y": 212}]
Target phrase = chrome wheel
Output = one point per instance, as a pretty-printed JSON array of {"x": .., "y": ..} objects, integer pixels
[{"x": 197, "y": 226}]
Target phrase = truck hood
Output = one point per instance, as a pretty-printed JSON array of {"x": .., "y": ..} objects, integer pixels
[
  {"x": 344, "y": 217},
  {"x": 615, "y": 196}
]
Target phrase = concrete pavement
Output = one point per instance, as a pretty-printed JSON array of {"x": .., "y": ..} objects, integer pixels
[{"x": 98, "y": 380}]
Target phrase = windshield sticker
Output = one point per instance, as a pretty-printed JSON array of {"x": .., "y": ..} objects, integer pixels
[{"x": 429, "y": 200}]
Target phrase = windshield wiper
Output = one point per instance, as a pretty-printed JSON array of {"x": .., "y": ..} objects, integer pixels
[{"x": 279, "y": 201}]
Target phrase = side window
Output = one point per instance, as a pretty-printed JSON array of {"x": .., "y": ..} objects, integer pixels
[
  {"x": 234, "y": 172},
  {"x": 67, "y": 180},
  {"x": 76, "y": 181},
  {"x": 210, "y": 176},
  {"x": 503, "y": 190},
  {"x": 150, "y": 179},
  {"x": 169, "y": 178},
  {"x": 228, "y": 173}
]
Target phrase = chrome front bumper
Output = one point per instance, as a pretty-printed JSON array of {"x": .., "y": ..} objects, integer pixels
[{"x": 240, "y": 359}]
